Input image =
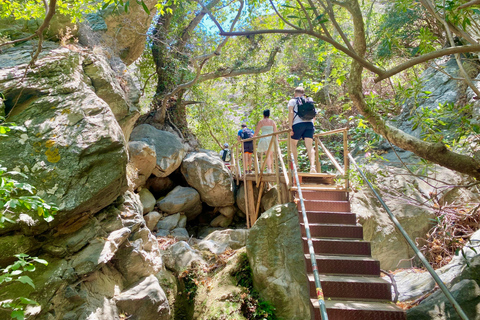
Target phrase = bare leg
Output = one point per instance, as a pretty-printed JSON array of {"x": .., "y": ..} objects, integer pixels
[
  {"x": 269, "y": 161},
  {"x": 311, "y": 154},
  {"x": 293, "y": 147}
]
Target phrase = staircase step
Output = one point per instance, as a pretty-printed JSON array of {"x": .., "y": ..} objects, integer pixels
[
  {"x": 360, "y": 310},
  {"x": 352, "y": 287},
  {"x": 338, "y": 247},
  {"x": 326, "y": 205},
  {"x": 349, "y": 265},
  {"x": 324, "y": 195},
  {"x": 330, "y": 217},
  {"x": 341, "y": 231}
]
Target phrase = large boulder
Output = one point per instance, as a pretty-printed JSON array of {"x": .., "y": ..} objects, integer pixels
[
  {"x": 147, "y": 199},
  {"x": 275, "y": 252},
  {"x": 168, "y": 147},
  {"x": 209, "y": 176},
  {"x": 270, "y": 198},
  {"x": 71, "y": 145},
  {"x": 412, "y": 283},
  {"x": 122, "y": 32},
  {"x": 146, "y": 300},
  {"x": 182, "y": 199},
  {"x": 240, "y": 198},
  {"x": 437, "y": 307},
  {"x": 143, "y": 160}
]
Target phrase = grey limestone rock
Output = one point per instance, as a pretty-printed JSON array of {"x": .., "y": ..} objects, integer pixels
[
  {"x": 168, "y": 147},
  {"x": 143, "y": 160},
  {"x": 209, "y": 176},
  {"x": 275, "y": 252},
  {"x": 145, "y": 300},
  {"x": 182, "y": 199}
]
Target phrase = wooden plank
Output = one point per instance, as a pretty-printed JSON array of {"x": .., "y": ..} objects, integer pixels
[
  {"x": 251, "y": 202},
  {"x": 255, "y": 159},
  {"x": 284, "y": 169},
  {"x": 317, "y": 156},
  {"x": 329, "y": 155},
  {"x": 265, "y": 136},
  {"x": 277, "y": 174},
  {"x": 257, "y": 209},
  {"x": 322, "y": 134},
  {"x": 245, "y": 188}
]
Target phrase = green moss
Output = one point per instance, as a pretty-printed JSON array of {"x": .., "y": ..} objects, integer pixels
[{"x": 252, "y": 306}]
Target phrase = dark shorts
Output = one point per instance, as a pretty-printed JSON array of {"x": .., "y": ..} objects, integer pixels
[
  {"x": 248, "y": 147},
  {"x": 303, "y": 130}
]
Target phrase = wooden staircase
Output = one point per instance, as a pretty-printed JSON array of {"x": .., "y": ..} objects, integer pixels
[{"x": 350, "y": 277}]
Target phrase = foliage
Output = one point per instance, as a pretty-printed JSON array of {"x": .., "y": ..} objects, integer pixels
[
  {"x": 253, "y": 307},
  {"x": 16, "y": 272},
  {"x": 19, "y": 197},
  {"x": 76, "y": 9}
]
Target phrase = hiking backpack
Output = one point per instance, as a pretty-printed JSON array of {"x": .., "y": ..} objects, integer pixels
[
  {"x": 246, "y": 133},
  {"x": 305, "y": 108},
  {"x": 226, "y": 153}
]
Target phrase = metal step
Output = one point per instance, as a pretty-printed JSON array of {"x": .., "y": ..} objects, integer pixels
[
  {"x": 352, "y": 287},
  {"x": 324, "y": 195},
  {"x": 330, "y": 217},
  {"x": 326, "y": 205},
  {"x": 340, "y": 231},
  {"x": 338, "y": 247},
  {"x": 360, "y": 310},
  {"x": 348, "y": 265}
]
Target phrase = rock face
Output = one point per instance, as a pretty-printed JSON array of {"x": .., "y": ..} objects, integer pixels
[
  {"x": 182, "y": 199},
  {"x": 72, "y": 146},
  {"x": 121, "y": 31},
  {"x": 94, "y": 263},
  {"x": 437, "y": 307},
  {"x": 147, "y": 199},
  {"x": 215, "y": 304},
  {"x": 388, "y": 245},
  {"x": 168, "y": 147},
  {"x": 209, "y": 176},
  {"x": 275, "y": 252},
  {"x": 143, "y": 159},
  {"x": 412, "y": 285},
  {"x": 144, "y": 301}
]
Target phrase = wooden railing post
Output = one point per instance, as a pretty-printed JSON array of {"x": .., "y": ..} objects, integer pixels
[{"x": 317, "y": 156}]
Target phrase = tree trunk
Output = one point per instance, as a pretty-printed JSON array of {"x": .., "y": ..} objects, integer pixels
[{"x": 435, "y": 152}]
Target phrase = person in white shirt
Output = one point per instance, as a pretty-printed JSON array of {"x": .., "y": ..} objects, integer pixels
[
  {"x": 301, "y": 129},
  {"x": 226, "y": 155}
]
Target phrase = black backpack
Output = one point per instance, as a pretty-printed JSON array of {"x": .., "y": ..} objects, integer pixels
[
  {"x": 305, "y": 108},
  {"x": 246, "y": 133},
  {"x": 226, "y": 153}
]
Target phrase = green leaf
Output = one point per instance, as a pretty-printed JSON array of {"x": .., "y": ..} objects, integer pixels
[
  {"x": 29, "y": 267},
  {"x": 28, "y": 301},
  {"x": 42, "y": 261},
  {"x": 26, "y": 280},
  {"x": 145, "y": 8},
  {"x": 18, "y": 314}
]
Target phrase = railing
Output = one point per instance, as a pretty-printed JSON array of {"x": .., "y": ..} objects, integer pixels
[
  {"x": 280, "y": 176},
  {"x": 283, "y": 178},
  {"x": 311, "y": 250},
  {"x": 422, "y": 258},
  {"x": 318, "y": 143}
]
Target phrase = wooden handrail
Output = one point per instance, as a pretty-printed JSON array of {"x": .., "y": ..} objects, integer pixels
[
  {"x": 331, "y": 157},
  {"x": 327, "y": 133},
  {"x": 266, "y": 136}
]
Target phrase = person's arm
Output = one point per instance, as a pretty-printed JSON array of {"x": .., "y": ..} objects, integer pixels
[
  {"x": 290, "y": 117},
  {"x": 257, "y": 130}
]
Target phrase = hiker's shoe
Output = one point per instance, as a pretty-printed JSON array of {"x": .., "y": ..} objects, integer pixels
[{"x": 313, "y": 170}]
